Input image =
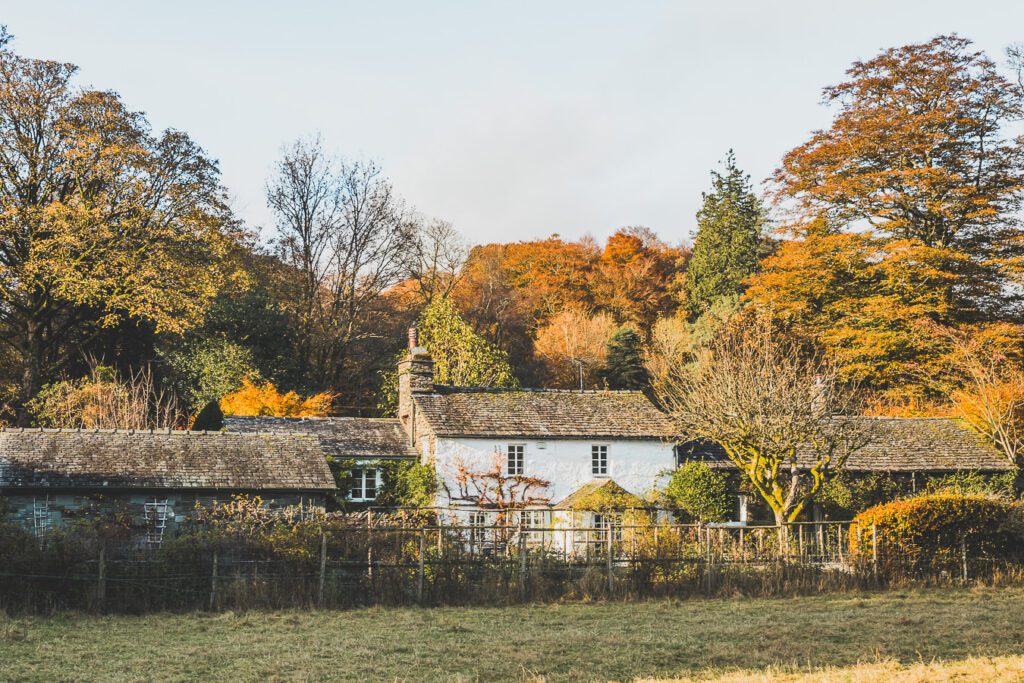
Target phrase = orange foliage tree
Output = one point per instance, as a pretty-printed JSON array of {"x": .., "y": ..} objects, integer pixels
[
  {"x": 572, "y": 343},
  {"x": 638, "y": 277},
  {"x": 901, "y": 215},
  {"x": 265, "y": 399}
]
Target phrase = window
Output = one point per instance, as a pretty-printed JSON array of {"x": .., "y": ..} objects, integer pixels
[
  {"x": 477, "y": 532},
  {"x": 601, "y": 524},
  {"x": 599, "y": 461},
  {"x": 515, "y": 458},
  {"x": 365, "y": 484},
  {"x": 535, "y": 521}
]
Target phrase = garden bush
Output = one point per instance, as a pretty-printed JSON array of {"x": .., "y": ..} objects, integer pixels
[
  {"x": 700, "y": 492},
  {"x": 937, "y": 528}
]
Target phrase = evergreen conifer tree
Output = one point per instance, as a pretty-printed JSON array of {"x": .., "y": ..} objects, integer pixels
[
  {"x": 624, "y": 367},
  {"x": 727, "y": 247}
]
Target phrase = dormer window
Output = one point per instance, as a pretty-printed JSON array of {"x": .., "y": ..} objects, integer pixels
[
  {"x": 599, "y": 460},
  {"x": 514, "y": 460}
]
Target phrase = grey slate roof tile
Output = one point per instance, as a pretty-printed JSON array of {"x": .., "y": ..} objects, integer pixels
[
  {"x": 900, "y": 444},
  {"x": 541, "y": 413},
  {"x": 144, "y": 459},
  {"x": 343, "y": 437}
]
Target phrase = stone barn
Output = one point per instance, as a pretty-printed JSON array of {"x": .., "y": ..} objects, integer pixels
[{"x": 48, "y": 478}]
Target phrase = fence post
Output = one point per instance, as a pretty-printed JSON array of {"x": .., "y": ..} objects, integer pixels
[
  {"x": 421, "y": 569},
  {"x": 963, "y": 555},
  {"x": 522, "y": 563},
  {"x": 213, "y": 582},
  {"x": 101, "y": 579},
  {"x": 323, "y": 569},
  {"x": 874, "y": 550},
  {"x": 608, "y": 559}
]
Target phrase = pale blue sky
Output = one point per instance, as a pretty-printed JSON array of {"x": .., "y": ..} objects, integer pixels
[{"x": 513, "y": 120}]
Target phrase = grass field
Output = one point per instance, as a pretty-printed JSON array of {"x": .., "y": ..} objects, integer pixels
[{"x": 838, "y": 638}]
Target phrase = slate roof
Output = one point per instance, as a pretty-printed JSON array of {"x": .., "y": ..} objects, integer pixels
[
  {"x": 541, "y": 413},
  {"x": 899, "y": 444},
  {"x": 161, "y": 460},
  {"x": 342, "y": 437}
]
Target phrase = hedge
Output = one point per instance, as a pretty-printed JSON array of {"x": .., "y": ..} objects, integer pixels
[{"x": 936, "y": 529}]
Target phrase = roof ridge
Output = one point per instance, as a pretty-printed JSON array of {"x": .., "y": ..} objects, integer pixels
[
  {"x": 147, "y": 432},
  {"x": 533, "y": 390}
]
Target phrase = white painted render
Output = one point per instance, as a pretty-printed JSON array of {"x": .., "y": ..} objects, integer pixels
[{"x": 637, "y": 465}]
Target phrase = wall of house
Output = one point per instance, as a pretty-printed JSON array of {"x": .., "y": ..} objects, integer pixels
[
  {"x": 53, "y": 510},
  {"x": 637, "y": 465}
]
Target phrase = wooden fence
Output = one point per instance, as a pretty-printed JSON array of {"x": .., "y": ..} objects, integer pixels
[{"x": 386, "y": 564}]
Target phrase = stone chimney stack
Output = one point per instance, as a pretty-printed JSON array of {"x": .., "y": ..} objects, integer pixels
[{"x": 415, "y": 376}]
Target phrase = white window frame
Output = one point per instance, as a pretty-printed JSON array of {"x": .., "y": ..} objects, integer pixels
[
  {"x": 599, "y": 460},
  {"x": 477, "y": 521},
  {"x": 515, "y": 454},
  {"x": 536, "y": 521},
  {"x": 359, "y": 479}
]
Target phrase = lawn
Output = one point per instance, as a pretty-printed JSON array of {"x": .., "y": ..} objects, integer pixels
[{"x": 737, "y": 638}]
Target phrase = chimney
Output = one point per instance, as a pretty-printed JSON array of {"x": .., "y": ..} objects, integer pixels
[{"x": 415, "y": 376}]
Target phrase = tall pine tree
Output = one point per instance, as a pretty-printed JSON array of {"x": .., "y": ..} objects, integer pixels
[{"x": 728, "y": 244}]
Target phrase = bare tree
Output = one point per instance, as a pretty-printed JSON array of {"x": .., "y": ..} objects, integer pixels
[
  {"x": 102, "y": 400},
  {"x": 437, "y": 259},
  {"x": 775, "y": 411},
  {"x": 1015, "y": 57},
  {"x": 342, "y": 227},
  {"x": 991, "y": 396},
  {"x": 494, "y": 489}
]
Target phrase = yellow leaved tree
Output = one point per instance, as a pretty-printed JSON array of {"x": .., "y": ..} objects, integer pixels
[{"x": 265, "y": 399}]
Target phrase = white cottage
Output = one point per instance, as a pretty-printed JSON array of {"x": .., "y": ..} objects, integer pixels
[{"x": 572, "y": 439}]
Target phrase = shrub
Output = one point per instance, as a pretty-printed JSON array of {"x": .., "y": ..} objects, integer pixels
[
  {"x": 967, "y": 483},
  {"x": 700, "y": 491},
  {"x": 936, "y": 528}
]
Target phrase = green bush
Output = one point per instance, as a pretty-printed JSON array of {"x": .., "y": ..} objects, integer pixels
[
  {"x": 937, "y": 528},
  {"x": 701, "y": 492}
]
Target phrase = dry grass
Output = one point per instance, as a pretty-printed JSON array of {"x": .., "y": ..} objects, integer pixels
[
  {"x": 989, "y": 669},
  {"x": 882, "y": 635}
]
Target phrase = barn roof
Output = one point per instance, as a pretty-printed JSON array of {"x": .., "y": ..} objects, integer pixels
[
  {"x": 541, "y": 413},
  {"x": 342, "y": 437},
  {"x": 163, "y": 460},
  {"x": 899, "y": 444}
]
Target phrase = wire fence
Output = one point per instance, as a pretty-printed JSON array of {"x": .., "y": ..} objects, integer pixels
[{"x": 384, "y": 564}]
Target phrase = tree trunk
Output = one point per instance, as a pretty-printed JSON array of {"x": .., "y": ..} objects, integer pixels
[{"x": 31, "y": 370}]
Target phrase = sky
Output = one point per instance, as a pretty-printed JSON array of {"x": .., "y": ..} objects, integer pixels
[{"x": 512, "y": 120}]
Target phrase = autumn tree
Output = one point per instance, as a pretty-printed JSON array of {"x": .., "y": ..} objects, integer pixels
[
  {"x": 902, "y": 212},
  {"x": 990, "y": 397},
  {"x": 670, "y": 347},
  {"x": 775, "y": 411},
  {"x": 253, "y": 398},
  {"x": 341, "y": 226},
  {"x": 729, "y": 241},
  {"x": 102, "y": 220},
  {"x": 572, "y": 348},
  {"x": 638, "y": 277}
]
